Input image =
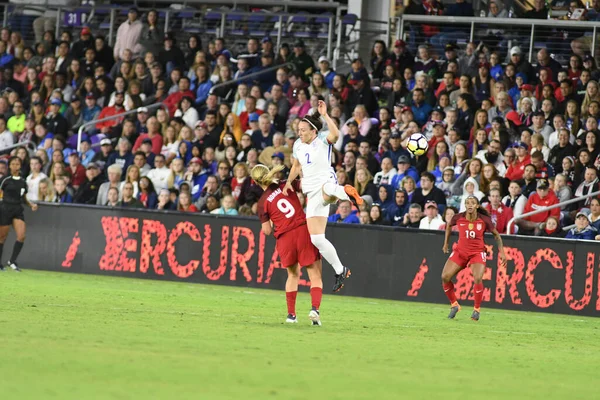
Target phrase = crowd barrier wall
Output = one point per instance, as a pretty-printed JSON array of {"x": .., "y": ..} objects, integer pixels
[{"x": 548, "y": 275}]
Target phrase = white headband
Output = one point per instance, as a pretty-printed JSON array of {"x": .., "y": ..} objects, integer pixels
[{"x": 311, "y": 124}]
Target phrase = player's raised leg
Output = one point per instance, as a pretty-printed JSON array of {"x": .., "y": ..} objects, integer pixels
[
  {"x": 316, "y": 228},
  {"x": 478, "y": 270},
  {"x": 333, "y": 192},
  {"x": 316, "y": 291},
  {"x": 451, "y": 268},
  {"x": 291, "y": 292}
]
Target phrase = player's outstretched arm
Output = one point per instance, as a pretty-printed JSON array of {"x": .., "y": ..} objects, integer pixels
[
  {"x": 294, "y": 172},
  {"x": 501, "y": 253},
  {"x": 445, "y": 248},
  {"x": 334, "y": 132}
]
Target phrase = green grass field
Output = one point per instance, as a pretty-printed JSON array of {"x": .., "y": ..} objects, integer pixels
[{"x": 68, "y": 336}]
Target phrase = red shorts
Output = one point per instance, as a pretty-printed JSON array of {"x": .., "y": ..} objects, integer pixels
[
  {"x": 295, "y": 247},
  {"x": 465, "y": 260}
]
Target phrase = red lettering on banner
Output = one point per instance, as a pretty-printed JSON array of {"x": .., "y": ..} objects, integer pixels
[
  {"x": 147, "y": 252},
  {"x": 275, "y": 263},
  {"x": 418, "y": 280},
  {"x": 216, "y": 274},
  {"x": 128, "y": 225},
  {"x": 117, "y": 244},
  {"x": 241, "y": 259},
  {"x": 72, "y": 251},
  {"x": 261, "y": 256},
  {"x": 542, "y": 301},
  {"x": 182, "y": 271},
  {"x": 464, "y": 284},
  {"x": 502, "y": 278},
  {"x": 589, "y": 281}
]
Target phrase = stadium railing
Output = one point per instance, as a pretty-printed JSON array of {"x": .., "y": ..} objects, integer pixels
[
  {"x": 117, "y": 116},
  {"x": 27, "y": 144},
  {"x": 252, "y": 75},
  {"x": 529, "y": 34},
  {"x": 511, "y": 223}
]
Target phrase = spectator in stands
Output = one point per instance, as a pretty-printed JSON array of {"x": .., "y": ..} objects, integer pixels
[
  {"x": 303, "y": 62},
  {"x": 345, "y": 214},
  {"x": 412, "y": 219},
  {"x": 499, "y": 212},
  {"x": 154, "y": 136},
  {"x": 160, "y": 174},
  {"x": 114, "y": 173},
  {"x": 76, "y": 170},
  {"x": 128, "y": 200},
  {"x": 428, "y": 191},
  {"x": 538, "y": 12},
  {"x": 128, "y": 35},
  {"x": 545, "y": 61},
  {"x": 362, "y": 94},
  {"x": 588, "y": 185},
  {"x": 88, "y": 192},
  {"x": 583, "y": 230},
  {"x": 432, "y": 219},
  {"x": 543, "y": 197}
]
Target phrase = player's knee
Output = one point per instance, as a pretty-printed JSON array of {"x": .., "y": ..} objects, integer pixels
[
  {"x": 319, "y": 241},
  {"x": 446, "y": 277}
]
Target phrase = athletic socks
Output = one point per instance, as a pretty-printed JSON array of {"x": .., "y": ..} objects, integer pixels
[
  {"x": 449, "y": 290},
  {"x": 16, "y": 250},
  {"x": 478, "y": 294},
  {"x": 1, "y": 249},
  {"x": 328, "y": 252},
  {"x": 331, "y": 189},
  {"x": 290, "y": 297},
  {"x": 316, "y": 293}
]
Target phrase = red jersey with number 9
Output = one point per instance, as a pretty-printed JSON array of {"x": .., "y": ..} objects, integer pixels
[
  {"x": 471, "y": 233},
  {"x": 285, "y": 211}
]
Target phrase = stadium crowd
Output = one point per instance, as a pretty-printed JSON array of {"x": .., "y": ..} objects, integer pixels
[{"x": 518, "y": 136}]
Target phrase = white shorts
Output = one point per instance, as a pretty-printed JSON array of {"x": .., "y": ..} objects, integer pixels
[{"x": 315, "y": 205}]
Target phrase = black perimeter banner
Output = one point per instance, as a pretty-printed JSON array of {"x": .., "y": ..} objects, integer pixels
[{"x": 559, "y": 276}]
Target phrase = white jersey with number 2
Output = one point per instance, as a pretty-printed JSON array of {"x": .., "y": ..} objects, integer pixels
[{"x": 315, "y": 159}]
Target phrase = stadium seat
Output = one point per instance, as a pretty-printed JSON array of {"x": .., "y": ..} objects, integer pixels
[
  {"x": 236, "y": 27},
  {"x": 301, "y": 25},
  {"x": 323, "y": 20},
  {"x": 256, "y": 24},
  {"x": 212, "y": 20}
]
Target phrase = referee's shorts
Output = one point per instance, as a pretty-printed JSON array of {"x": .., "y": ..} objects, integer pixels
[{"x": 8, "y": 212}]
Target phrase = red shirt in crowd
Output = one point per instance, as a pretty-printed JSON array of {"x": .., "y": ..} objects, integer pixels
[
  {"x": 78, "y": 177},
  {"x": 515, "y": 171},
  {"x": 244, "y": 118},
  {"x": 535, "y": 202},
  {"x": 157, "y": 142},
  {"x": 500, "y": 217},
  {"x": 172, "y": 101},
  {"x": 109, "y": 112}
]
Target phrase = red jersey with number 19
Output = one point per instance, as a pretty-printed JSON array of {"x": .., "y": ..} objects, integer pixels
[
  {"x": 285, "y": 211},
  {"x": 471, "y": 233}
]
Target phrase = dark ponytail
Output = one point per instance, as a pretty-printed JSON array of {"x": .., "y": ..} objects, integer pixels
[{"x": 314, "y": 121}]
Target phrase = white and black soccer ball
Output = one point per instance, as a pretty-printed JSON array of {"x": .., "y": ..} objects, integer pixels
[{"x": 417, "y": 144}]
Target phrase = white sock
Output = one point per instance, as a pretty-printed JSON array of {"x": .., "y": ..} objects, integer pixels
[
  {"x": 331, "y": 189},
  {"x": 328, "y": 252}
]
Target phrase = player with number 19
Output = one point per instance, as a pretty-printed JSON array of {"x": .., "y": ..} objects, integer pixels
[
  {"x": 294, "y": 246},
  {"x": 312, "y": 156},
  {"x": 469, "y": 251}
]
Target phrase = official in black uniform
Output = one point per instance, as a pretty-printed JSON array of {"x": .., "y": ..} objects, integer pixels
[{"x": 13, "y": 190}]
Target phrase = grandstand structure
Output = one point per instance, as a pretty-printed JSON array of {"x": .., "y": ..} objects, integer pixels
[{"x": 310, "y": 50}]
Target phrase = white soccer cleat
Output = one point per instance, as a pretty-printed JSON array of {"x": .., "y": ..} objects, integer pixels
[
  {"x": 314, "y": 316},
  {"x": 291, "y": 319}
]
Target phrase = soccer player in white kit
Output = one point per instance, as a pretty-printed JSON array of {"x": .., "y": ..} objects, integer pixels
[{"x": 312, "y": 156}]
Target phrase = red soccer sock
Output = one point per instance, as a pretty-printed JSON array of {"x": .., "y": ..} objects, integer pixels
[
  {"x": 290, "y": 297},
  {"x": 478, "y": 294},
  {"x": 316, "y": 293},
  {"x": 449, "y": 291}
]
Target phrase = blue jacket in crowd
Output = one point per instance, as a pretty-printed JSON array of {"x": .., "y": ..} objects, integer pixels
[
  {"x": 412, "y": 172},
  {"x": 350, "y": 219},
  {"x": 202, "y": 90},
  {"x": 589, "y": 233}
]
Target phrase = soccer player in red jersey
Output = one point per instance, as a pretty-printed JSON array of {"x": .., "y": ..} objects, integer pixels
[
  {"x": 285, "y": 214},
  {"x": 469, "y": 252}
]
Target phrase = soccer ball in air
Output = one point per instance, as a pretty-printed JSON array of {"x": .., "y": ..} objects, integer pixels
[{"x": 417, "y": 144}]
